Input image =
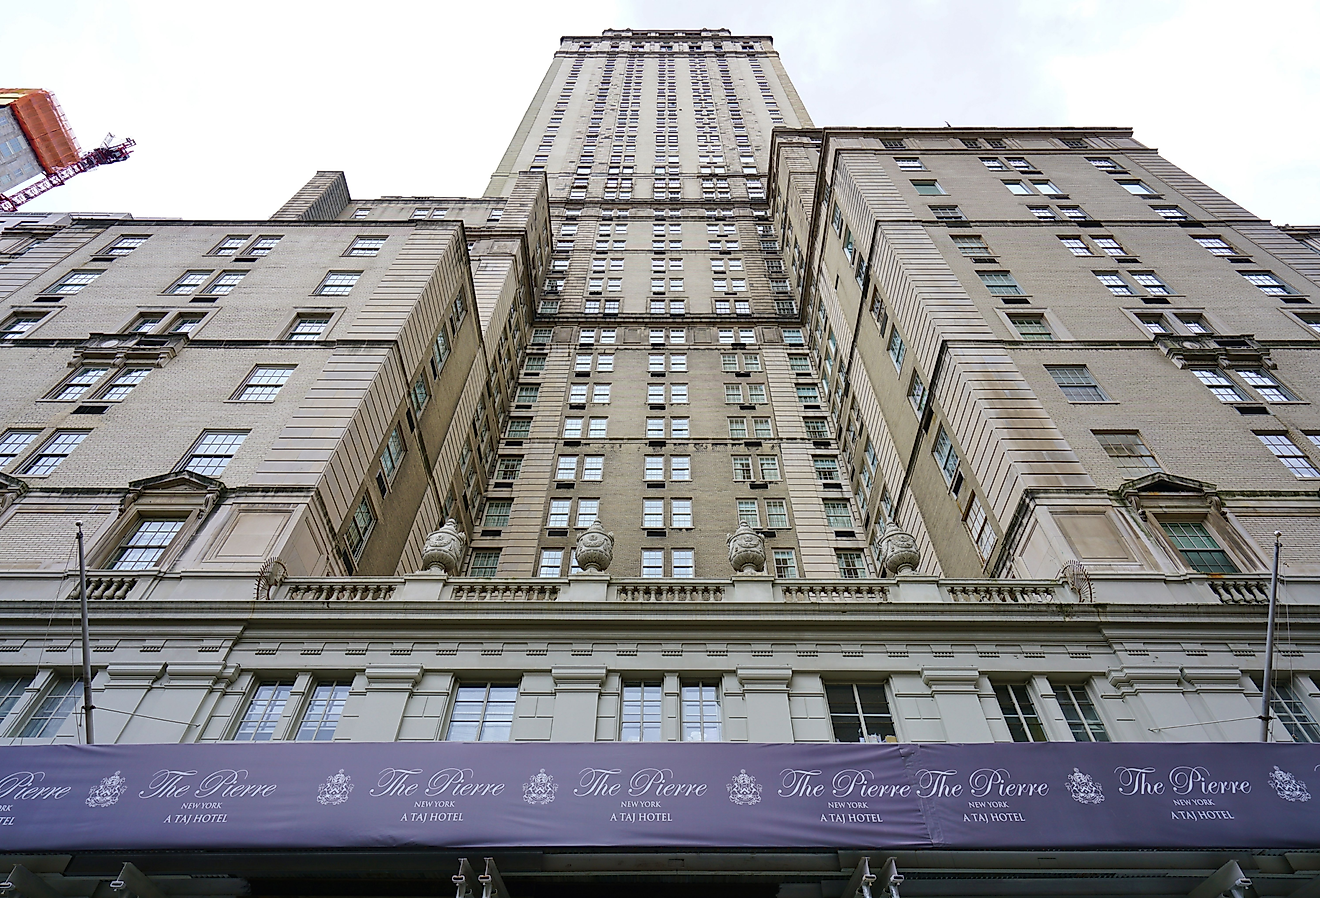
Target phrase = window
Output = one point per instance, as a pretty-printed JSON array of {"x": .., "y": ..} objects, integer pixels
[
  {"x": 1195, "y": 323},
  {"x": 825, "y": 466},
  {"x": 1109, "y": 246},
  {"x": 224, "y": 283},
  {"x": 807, "y": 394},
  {"x": 817, "y": 428},
  {"x": 993, "y": 164},
  {"x": 1000, "y": 283},
  {"x": 1266, "y": 385},
  {"x": 1074, "y": 213},
  {"x": 123, "y": 383},
  {"x": 519, "y": 428},
  {"x": 189, "y": 283},
  {"x": 680, "y": 467},
  {"x": 263, "y": 712},
  {"x": 640, "y": 715},
  {"x": 910, "y": 164},
  {"x": 1152, "y": 283},
  {"x": 653, "y": 513},
  {"x": 1019, "y": 713},
  {"x": 838, "y": 515},
  {"x": 559, "y": 512},
  {"x": 53, "y": 709},
  {"x": 1288, "y": 452},
  {"x": 74, "y": 281},
  {"x": 534, "y": 362},
  {"x": 1287, "y": 705},
  {"x": 13, "y": 442},
  {"x": 917, "y": 393},
  {"x": 1018, "y": 188},
  {"x": 1104, "y": 164},
  {"x": 749, "y": 513},
  {"x": 742, "y": 467},
  {"x": 1031, "y": 327},
  {"x": 263, "y": 384},
  {"x": 52, "y": 452},
  {"x": 978, "y": 525},
  {"x": 78, "y": 383},
  {"x": 738, "y": 428},
  {"x": 1129, "y": 453},
  {"x": 485, "y": 562},
  {"x": 897, "y": 348},
  {"x": 308, "y": 328},
  {"x": 680, "y": 513},
  {"x": 785, "y": 564},
  {"x": 1077, "y": 383},
  {"x": 230, "y": 245},
  {"x": 18, "y": 325},
  {"x": 1080, "y": 713},
  {"x": 124, "y": 245},
  {"x": 11, "y": 690},
  {"x": 1223, "y": 389},
  {"x": 507, "y": 467},
  {"x": 392, "y": 455},
  {"x": 945, "y": 455},
  {"x": 587, "y": 511},
  {"x": 338, "y": 283},
  {"x": 1268, "y": 283},
  {"x": 1076, "y": 245},
  {"x": 552, "y": 561},
  {"x": 653, "y": 563},
  {"x": 1170, "y": 213},
  {"x": 1048, "y": 188},
  {"x": 323, "y": 712},
  {"x": 851, "y": 564},
  {"x": 1198, "y": 548},
  {"x": 419, "y": 394},
  {"x": 1217, "y": 246},
  {"x": 769, "y": 465},
  {"x": 1137, "y": 188},
  {"x": 947, "y": 213},
  {"x": 527, "y": 394},
  {"x": 859, "y": 712},
  {"x": 700, "y": 712},
  {"x": 365, "y": 246},
  {"x": 483, "y": 713},
  {"x": 497, "y": 513},
  {"x": 359, "y": 527},
  {"x": 928, "y": 188}
]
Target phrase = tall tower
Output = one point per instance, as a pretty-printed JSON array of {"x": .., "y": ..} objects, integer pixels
[{"x": 667, "y": 373}]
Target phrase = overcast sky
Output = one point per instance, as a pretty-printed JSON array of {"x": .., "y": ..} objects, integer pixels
[{"x": 234, "y": 105}]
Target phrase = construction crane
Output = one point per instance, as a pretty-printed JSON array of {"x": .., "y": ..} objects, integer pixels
[{"x": 35, "y": 137}]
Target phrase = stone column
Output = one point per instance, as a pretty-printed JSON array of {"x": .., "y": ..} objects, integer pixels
[
  {"x": 381, "y": 712},
  {"x": 765, "y": 692},
  {"x": 577, "y": 695},
  {"x": 959, "y": 701}
]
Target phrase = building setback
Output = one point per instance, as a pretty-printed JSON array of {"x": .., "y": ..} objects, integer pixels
[{"x": 914, "y": 436}]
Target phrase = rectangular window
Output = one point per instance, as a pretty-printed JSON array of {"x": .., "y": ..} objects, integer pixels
[
  {"x": 11, "y": 690},
  {"x": 785, "y": 564},
  {"x": 947, "y": 213},
  {"x": 124, "y": 245},
  {"x": 1266, "y": 385},
  {"x": 749, "y": 513},
  {"x": 587, "y": 511},
  {"x": 263, "y": 712},
  {"x": 993, "y": 164},
  {"x": 52, "y": 452},
  {"x": 565, "y": 468},
  {"x": 1219, "y": 384},
  {"x": 1000, "y": 283},
  {"x": 13, "y": 442},
  {"x": 680, "y": 467},
  {"x": 1109, "y": 246},
  {"x": 851, "y": 564},
  {"x": 188, "y": 283},
  {"x": 817, "y": 428},
  {"x": 769, "y": 466},
  {"x": 74, "y": 281},
  {"x": 497, "y": 513},
  {"x": 1198, "y": 548},
  {"x": 1048, "y": 188},
  {"x": 1288, "y": 452},
  {"x": 680, "y": 513},
  {"x": 917, "y": 393},
  {"x": 1217, "y": 246},
  {"x": 1076, "y": 245},
  {"x": 897, "y": 348},
  {"x": 1170, "y": 213},
  {"x": 1018, "y": 188},
  {"x": 1043, "y": 213},
  {"x": 338, "y": 283},
  {"x": 212, "y": 452},
  {"x": 18, "y": 325},
  {"x": 78, "y": 384},
  {"x": 653, "y": 513},
  {"x": 224, "y": 283},
  {"x": 653, "y": 563},
  {"x": 742, "y": 467},
  {"x": 1268, "y": 283},
  {"x": 308, "y": 328},
  {"x": 945, "y": 455},
  {"x": 230, "y": 245},
  {"x": 761, "y": 429},
  {"x": 776, "y": 514},
  {"x": 859, "y": 712},
  {"x": 365, "y": 246},
  {"x": 971, "y": 245},
  {"x": 485, "y": 563},
  {"x": 641, "y": 712},
  {"x": 1031, "y": 327},
  {"x": 53, "y": 709},
  {"x": 978, "y": 525},
  {"x": 483, "y": 713},
  {"x": 826, "y": 467},
  {"x": 519, "y": 428},
  {"x": 700, "y": 712},
  {"x": 1137, "y": 188},
  {"x": 928, "y": 188},
  {"x": 263, "y": 384},
  {"x": 738, "y": 428},
  {"x": 679, "y": 428},
  {"x": 1286, "y": 704},
  {"x": 1080, "y": 713},
  {"x": 552, "y": 562},
  {"x": 324, "y": 709},
  {"x": 1019, "y": 713},
  {"x": 1154, "y": 286},
  {"x": 507, "y": 467},
  {"x": 360, "y": 527},
  {"x": 143, "y": 547},
  {"x": 1077, "y": 383},
  {"x": 1129, "y": 453},
  {"x": 910, "y": 164},
  {"x": 838, "y": 515}
]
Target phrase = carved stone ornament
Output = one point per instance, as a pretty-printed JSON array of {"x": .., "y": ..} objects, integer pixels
[
  {"x": 746, "y": 550},
  {"x": 444, "y": 549},
  {"x": 595, "y": 549},
  {"x": 898, "y": 550}
]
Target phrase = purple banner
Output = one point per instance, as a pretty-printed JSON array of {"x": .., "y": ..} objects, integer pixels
[{"x": 636, "y": 795}]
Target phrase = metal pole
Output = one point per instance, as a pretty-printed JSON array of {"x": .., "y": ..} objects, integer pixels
[
  {"x": 86, "y": 642},
  {"x": 1269, "y": 644}
]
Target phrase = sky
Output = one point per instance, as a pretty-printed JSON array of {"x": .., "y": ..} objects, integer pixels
[{"x": 235, "y": 105}]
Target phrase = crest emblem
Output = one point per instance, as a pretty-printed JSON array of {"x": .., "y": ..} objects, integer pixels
[
  {"x": 744, "y": 789},
  {"x": 1289, "y": 787},
  {"x": 335, "y": 789},
  {"x": 110, "y": 791},
  {"x": 1083, "y": 789},
  {"x": 540, "y": 788}
]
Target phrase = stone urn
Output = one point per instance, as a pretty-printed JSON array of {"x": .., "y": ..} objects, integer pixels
[
  {"x": 898, "y": 550},
  {"x": 595, "y": 549},
  {"x": 444, "y": 548},
  {"x": 746, "y": 550}
]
